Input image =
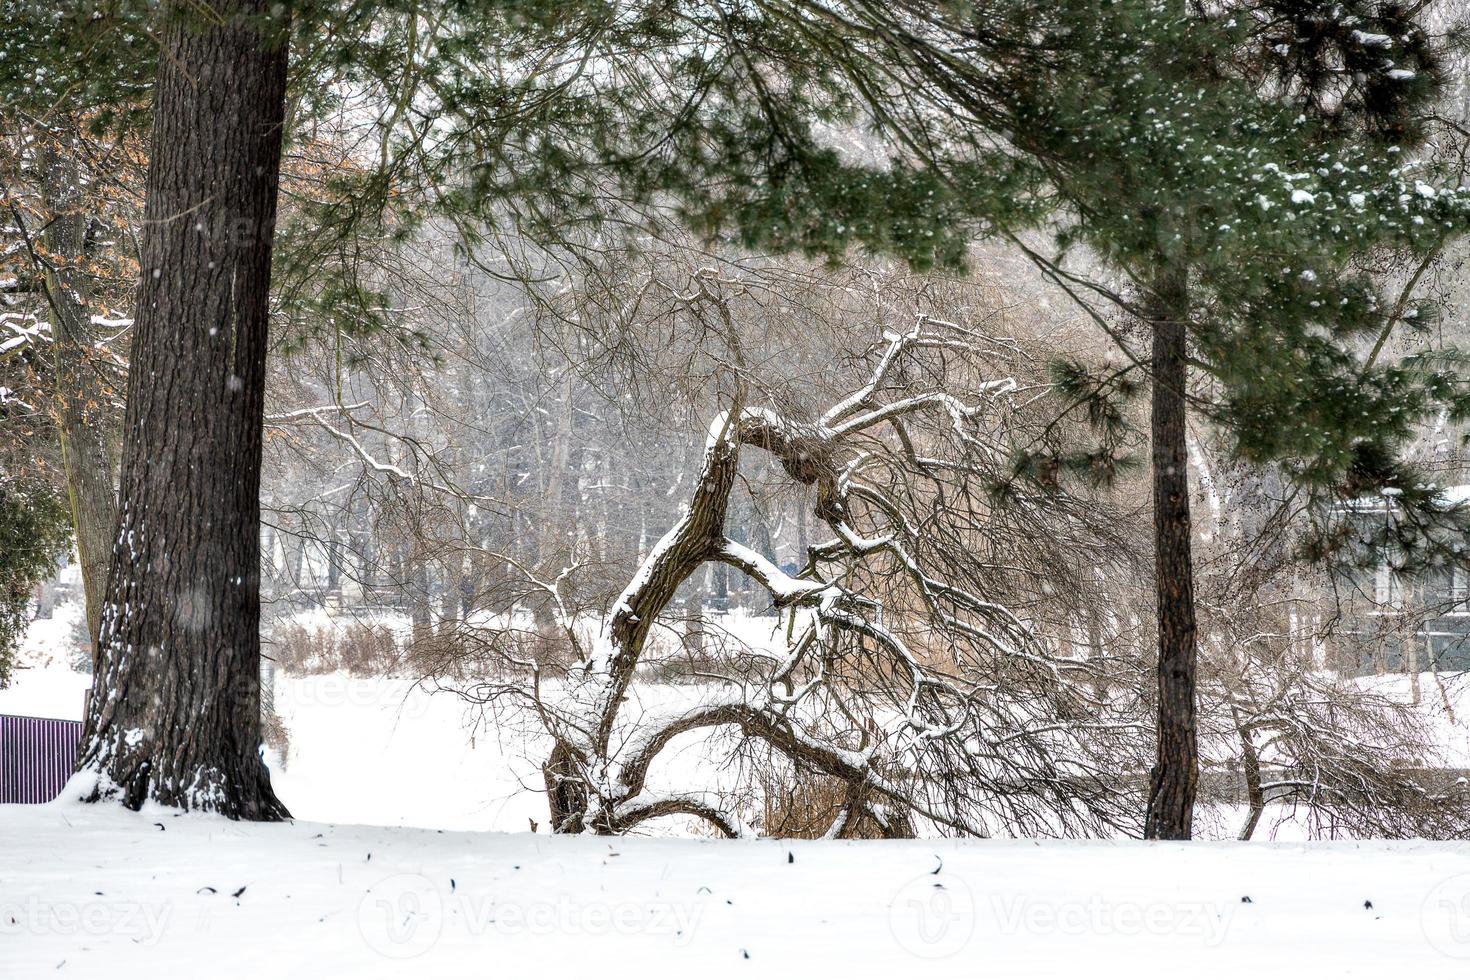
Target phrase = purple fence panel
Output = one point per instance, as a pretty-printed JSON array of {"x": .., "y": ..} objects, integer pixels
[{"x": 36, "y": 757}]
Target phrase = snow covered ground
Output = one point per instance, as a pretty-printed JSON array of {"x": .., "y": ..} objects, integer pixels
[
  {"x": 99, "y": 892},
  {"x": 411, "y": 858},
  {"x": 350, "y": 737}
]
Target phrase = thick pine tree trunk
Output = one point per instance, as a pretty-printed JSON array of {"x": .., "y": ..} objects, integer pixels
[
  {"x": 175, "y": 710},
  {"x": 1176, "y": 770},
  {"x": 79, "y": 397}
]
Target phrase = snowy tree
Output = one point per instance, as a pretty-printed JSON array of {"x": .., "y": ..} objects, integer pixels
[
  {"x": 920, "y": 662},
  {"x": 1236, "y": 218},
  {"x": 175, "y": 711},
  {"x": 1131, "y": 120}
]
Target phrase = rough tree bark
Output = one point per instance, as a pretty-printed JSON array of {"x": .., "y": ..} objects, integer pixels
[
  {"x": 1176, "y": 771},
  {"x": 86, "y": 456},
  {"x": 1251, "y": 760},
  {"x": 696, "y": 539},
  {"x": 175, "y": 709}
]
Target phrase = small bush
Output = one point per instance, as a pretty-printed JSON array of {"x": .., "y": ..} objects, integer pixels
[
  {"x": 35, "y": 529},
  {"x": 804, "y": 807},
  {"x": 357, "y": 648}
]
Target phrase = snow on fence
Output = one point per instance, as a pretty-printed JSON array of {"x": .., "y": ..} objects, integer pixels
[{"x": 36, "y": 756}]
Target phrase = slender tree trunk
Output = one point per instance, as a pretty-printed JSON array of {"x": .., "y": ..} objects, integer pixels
[
  {"x": 420, "y": 610},
  {"x": 558, "y": 523},
  {"x": 1251, "y": 763},
  {"x": 802, "y": 541},
  {"x": 175, "y": 709},
  {"x": 80, "y": 413},
  {"x": 1415, "y": 696},
  {"x": 760, "y": 532},
  {"x": 1176, "y": 770},
  {"x": 334, "y": 557},
  {"x": 1255, "y": 798},
  {"x": 1095, "y": 656}
]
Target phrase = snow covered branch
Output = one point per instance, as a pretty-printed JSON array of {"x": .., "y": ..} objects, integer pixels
[{"x": 906, "y": 677}]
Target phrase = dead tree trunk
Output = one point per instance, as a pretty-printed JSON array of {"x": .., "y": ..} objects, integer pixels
[
  {"x": 86, "y": 456},
  {"x": 696, "y": 539},
  {"x": 1176, "y": 770},
  {"x": 175, "y": 708},
  {"x": 596, "y": 779},
  {"x": 1255, "y": 798}
]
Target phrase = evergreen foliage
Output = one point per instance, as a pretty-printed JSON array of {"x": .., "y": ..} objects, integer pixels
[
  {"x": 35, "y": 530},
  {"x": 1264, "y": 148}
]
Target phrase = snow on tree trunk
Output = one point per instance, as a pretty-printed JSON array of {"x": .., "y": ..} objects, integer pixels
[
  {"x": 946, "y": 707},
  {"x": 175, "y": 708}
]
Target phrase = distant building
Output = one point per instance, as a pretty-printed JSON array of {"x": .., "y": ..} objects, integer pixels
[{"x": 1408, "y": 623}]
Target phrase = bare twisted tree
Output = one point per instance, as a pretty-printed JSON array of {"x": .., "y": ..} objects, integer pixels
[{"x": 926, "y": 664}]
